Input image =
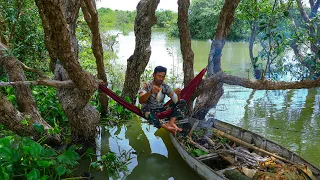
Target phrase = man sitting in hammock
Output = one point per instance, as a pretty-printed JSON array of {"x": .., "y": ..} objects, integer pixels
[{"x": 152, "y": 100}]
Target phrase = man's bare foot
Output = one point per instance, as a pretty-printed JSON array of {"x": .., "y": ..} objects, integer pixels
[
  {"x": 169, "y": 128},
  {"x": 172, "y": 130},
  {"x": 175, "y": 126}
]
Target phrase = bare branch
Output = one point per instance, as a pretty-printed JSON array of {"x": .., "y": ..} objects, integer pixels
[
  {"x": 38, "y": 71},
  {"x": 52, "y": 83},
  {"x": 303, "y": 12},
  {"x": 210, "y": 82},
  {"x": 266, "y": 84}
]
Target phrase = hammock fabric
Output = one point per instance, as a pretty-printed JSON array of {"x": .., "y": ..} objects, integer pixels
[{"x": 186, "y": 94}]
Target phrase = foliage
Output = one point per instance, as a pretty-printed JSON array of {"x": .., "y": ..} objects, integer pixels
[
  {"x": 147, "y": 74},
  {"x": 49, "y": 106},
  {"x": 113, "y": 164},
  {"x": 203, "y": 20},
  {"x": 166, "y": 18},
  {"x": 21, "y": 29},
  {"x": 22, "y": 157},
  {"x": 118, "y": 111},
  {"x": 174, "y": 77},
  {"x": 122, "y": 20},
  {"x": 197, "y": 152},
  {"x": 114, "y": 70}
]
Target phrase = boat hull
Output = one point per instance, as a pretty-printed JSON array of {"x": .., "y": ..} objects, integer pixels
[{"x": 208, "y": 173}]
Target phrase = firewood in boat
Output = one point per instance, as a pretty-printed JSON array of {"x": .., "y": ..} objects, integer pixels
[
  {"x": 197, "y": 145},
  {"x": 239, "y": 141},
  {"x": 209, "y": 140}
]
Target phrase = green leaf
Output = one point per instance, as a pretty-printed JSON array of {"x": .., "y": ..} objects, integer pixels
[
  {"x": 24, "y": 122},
  {"x": 127, "y": 99},
  {"x": 35, "y": 149},
  {"x": 34, "y": 175},
  {"x": 26, "y": 150},
  {"x": 3, "y": 174},
  {"x": 38, "y": 127},
  {"x": 60, "y": 170},
  {"x": 5, "y": 153},
  {"x": 198, "y": 152},
  {"x": 15, "y": 155},
  {"x": 286, "y": 13},
  {"x": 43, "y": 163},
  {"x": 94, "y": 164},
  {"x": 5, "y": 142},
  {"x": 9, "y": 168},
  {"x": 48, "y": 152},
  {"x": 44, "y": 177}
]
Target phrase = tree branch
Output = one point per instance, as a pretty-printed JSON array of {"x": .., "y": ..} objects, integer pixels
[
  {"x": 52, "y": 83},
  {"x": 38, "y": 71},
  {"x": 208, "y": 83},
  {"x": 303, "y": 12},
  {"x": 314, "y": 9}
]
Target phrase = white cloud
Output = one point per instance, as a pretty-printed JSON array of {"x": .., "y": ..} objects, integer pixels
[{"x": 131, "y": 4}]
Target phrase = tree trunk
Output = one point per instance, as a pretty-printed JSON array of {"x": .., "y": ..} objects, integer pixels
[
  {"x": 9, "y": 116},
  {"x": 311, "y": 28},
  {"x": 185, "y": 40},
  {"x": 209, "y": 99},
  {"x": 91, "y": 16},
  {"x": 12, "y": 119},
  {"x": 185, "y": 45},
  {"x": 61, "y": 16},
  {"x": 256, "y": 70},
  {"x": 137, "y": 62},
  {"x": 83, "y": 120}
]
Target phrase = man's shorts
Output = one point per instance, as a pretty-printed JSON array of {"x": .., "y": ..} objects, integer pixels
[{"x": 179, "y": 110}]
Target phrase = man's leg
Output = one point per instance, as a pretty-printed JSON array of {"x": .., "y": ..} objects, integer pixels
[
  {"x": 173, "y": 124},
  {"x": 169, "y": 128},
  {"x": 178, "y": 112},
  {"x": 152, "y": 118}
]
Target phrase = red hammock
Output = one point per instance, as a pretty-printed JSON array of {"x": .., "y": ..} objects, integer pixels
[{"x": 186, "y": 94}]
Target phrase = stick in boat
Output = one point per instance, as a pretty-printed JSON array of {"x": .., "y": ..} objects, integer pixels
[
  {"x": 209, "y": 140},
  {"x": 239, "y": 141},
  {"x": 198, "y": 145}
]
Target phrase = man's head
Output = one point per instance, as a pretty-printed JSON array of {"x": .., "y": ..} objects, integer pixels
[{"x": 159, "y": 74}]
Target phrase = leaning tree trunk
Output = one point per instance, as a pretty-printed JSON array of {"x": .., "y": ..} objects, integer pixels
[
  {"x": 137, "y": 62},
  {"x": 91, "y": 16},
  {"x": 11, "y": 117},
  {"x": 256, "y": 70},
  {"x": 311, "y": 29},
  {"x": 61, "y": 16},
  {"x": 185, "y": 45},
  {"x": 209, "y": 99}
]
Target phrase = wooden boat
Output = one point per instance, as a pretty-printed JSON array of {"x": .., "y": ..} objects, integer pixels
[{"x": 210, "y": 166}]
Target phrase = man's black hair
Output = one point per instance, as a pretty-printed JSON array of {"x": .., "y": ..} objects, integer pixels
[{"x": 160, "y": 69}]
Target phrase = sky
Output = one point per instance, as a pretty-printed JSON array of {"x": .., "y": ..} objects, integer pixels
[{"x": 132, "y": 4}]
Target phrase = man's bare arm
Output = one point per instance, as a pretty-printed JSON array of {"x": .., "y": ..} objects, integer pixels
[
  {"x": 177, "y": 92},
  {"x": 145, "y": 95}
]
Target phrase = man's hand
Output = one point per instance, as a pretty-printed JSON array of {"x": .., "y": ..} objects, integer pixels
[
  {"x": 177, "y": 91},
  {"x": 155, "y": 89}
]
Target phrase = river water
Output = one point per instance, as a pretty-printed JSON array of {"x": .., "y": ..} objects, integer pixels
[{"x": 289, "y": 117}]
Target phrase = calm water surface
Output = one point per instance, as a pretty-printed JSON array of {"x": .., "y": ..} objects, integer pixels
[{"x": 288, "y": 117}]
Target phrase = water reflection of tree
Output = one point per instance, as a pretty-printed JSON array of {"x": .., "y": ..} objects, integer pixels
[
  {"x": 287, "y": 122},
  {"x": 154, "y": 165}
]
